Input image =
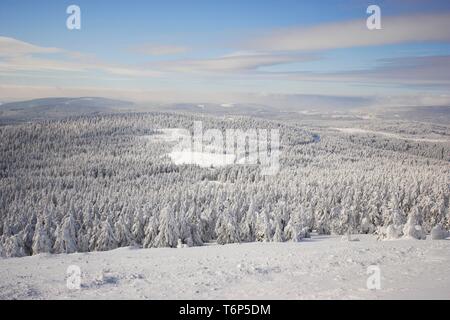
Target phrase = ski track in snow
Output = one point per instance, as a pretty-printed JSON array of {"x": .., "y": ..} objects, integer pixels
[{"x": 324, "y": 267}]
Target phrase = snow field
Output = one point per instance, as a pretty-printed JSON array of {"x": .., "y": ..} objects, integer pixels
[{"x": 323, "y": 267}]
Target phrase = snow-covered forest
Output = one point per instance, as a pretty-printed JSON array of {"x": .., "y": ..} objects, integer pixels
[{"x": 96, "y": 183}]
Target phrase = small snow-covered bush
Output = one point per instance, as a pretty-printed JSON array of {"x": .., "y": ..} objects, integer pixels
[
  {"x": 439, "y": 233},
  {"x": 414, "y": 232},
  {"x": 412, "y": 228},
  {"x": 305, "y": 233},
  {"x": 393, "y": 232},
  {"x": 381, "y": 232},
  {"x": 366, "y": 226},
  {"x": 14, "y": 247},
  {"x": 390, "y": 232},
  {"x": 181, "y": 245}
]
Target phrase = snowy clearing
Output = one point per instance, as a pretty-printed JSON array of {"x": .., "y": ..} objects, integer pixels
[
  {"x": 185, "y": 156},
  {"x": 202, "y": 159},
  {"x": 208, "y": 158},
  {"x": 390, "y": 135},
  {"x": 324, "y": 267}
]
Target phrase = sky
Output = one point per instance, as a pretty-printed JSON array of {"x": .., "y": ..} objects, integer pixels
[{"x": 203, "y": 51}]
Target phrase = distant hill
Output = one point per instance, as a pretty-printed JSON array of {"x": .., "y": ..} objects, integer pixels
[
  {"x": 434, "y": 114},
  {"x": 255, "y": 110},
  {"x": 57, "y": 108}
]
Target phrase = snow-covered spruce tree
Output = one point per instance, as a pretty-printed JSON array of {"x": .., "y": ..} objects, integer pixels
[
  {"x": 248, "y": 224},
  {"x": 41, "y": 238},
  {"x": 339, "y": 220},
  {"x": 138, "y": 228},
  {"x": 65, "y": 236},
  {"x": 321, "y": 218},
  {"x": 393, "y": 214},
  {"x": 27, "y": 235},
  {"x": 446, "y": 224},
  {"x": 434, "y": 212},
  {"x": 13, "y": 246},
  {"x": 263, "y": 226},
  {"x": 373, "y": 210},
  {"x": 227, "y": 229},
  {"x": 93, "y": 234},
  {"x": 151, "y": 232},
  {"x": 370, "y": 217},
  {"x": 413, "y": 229},
  {"x": 168, "y": 234},
  {"x": 123, "y": 233},
  {"x": 294, "y": 228},
  {"x": 207, "y": 225},
  {"x": 2, "y": 251},
  {"x": 309, "y": 217},
  {"x": 84, "y": 235},
  {"x": 191, "y": 233},
  {"x": 354, "y": 219},
  {"x": 184, "y": 228},
  {"x": 106, "y": 239},
  {"x": 279, "y": 232},
  {"x": 393, "y": 219}
]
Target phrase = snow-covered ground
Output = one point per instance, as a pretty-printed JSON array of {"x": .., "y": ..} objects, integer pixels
[{"x": 324, "y": 267}]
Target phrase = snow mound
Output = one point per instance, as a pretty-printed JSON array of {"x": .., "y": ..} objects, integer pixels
[
  {"x": 393, "y": 232},
  {"x": 439, "y": 233},
  {"x": 414, "y": 232}
]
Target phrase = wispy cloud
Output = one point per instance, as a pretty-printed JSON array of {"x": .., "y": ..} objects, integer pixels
[
  {"x": 158, "y": 50},
  {"x": 16, "y": 55},
  {"x": 237, "y": 62},
  {"x": 406, "y": 71},
  {"x": 400, "y": 29},
  {"x": 425, "y": 69},
  {"x": 10, "y": 47}
]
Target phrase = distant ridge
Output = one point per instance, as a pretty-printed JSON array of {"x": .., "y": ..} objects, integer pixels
[{"x": 58, "y": 108}]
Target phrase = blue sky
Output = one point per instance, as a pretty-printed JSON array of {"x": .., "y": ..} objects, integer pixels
[{"x": 208, "y": 51}]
